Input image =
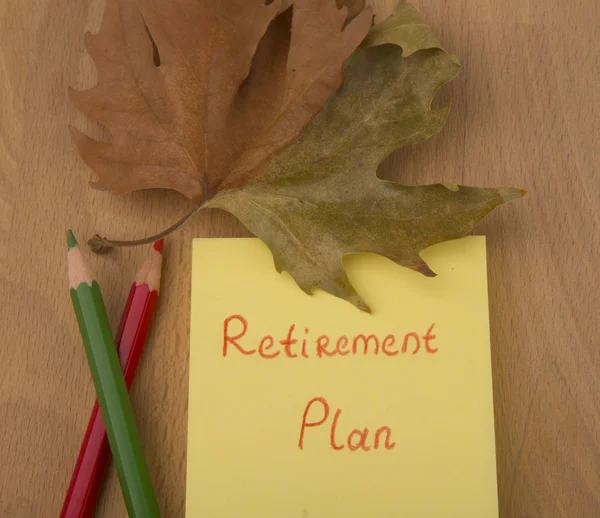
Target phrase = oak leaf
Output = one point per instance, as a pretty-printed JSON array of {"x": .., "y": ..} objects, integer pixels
[{"x": 286, "y": 149}]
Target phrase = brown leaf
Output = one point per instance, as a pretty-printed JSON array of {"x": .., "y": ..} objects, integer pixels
[
  {"x": 237, "y": 81},
  {"x": 221, "y": 104}
]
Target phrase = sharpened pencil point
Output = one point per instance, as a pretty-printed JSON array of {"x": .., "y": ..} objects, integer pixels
[
  {"x": 158, "y": 245},
  {"x": 71, "y": 241}
]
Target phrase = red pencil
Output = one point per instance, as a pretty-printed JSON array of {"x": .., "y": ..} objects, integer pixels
[{"x": 94, "y": 454}]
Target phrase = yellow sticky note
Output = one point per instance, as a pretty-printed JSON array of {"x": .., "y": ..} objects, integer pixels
[{"x": 306, "y": 407}]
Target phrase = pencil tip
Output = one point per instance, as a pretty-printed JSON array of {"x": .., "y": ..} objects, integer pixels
[
  {"x": 150, "y": 271},
  {"x": 71, "y": 241},
  {"x": 158, "y": 245}
]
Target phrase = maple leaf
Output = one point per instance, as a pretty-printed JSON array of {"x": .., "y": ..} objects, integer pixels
[
  {"x": 235, "y": 83},
  {"x": 293, "y": 155}
]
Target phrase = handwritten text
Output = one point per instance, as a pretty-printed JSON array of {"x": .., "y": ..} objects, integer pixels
[
  {"x": 357, "y": 439},
  {"x": 298, "y": 344}
]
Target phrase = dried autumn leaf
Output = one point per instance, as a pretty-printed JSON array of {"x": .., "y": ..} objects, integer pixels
[
  {"x": 404, "y": 28},
  {"x": 237, "y": 81},
  {"x": 320, "y": 199},
  {"x": 226, "y": 119}
]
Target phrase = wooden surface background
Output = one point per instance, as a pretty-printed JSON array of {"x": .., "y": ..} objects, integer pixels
[{"x": 525, "y": 113}]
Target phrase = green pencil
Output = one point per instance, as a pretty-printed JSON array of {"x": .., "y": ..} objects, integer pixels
[{"x": 115, "y": 406}]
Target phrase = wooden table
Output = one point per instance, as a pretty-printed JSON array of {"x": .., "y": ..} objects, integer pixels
[{"x": 525, "y": 113}]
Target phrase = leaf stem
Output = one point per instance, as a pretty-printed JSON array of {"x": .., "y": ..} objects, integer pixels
[{"x": 100, "y": 245}]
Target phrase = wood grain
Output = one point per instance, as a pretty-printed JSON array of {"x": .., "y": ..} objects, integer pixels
[{"x": 525, "y": 113}]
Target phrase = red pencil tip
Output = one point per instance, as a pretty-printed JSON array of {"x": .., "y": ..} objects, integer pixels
[{"x": 158, "y": 245}]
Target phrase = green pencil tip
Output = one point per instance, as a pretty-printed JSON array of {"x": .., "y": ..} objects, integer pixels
[{"x": 71, "y": 241}]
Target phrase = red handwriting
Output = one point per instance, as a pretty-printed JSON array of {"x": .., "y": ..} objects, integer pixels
[
  {"x": 365, "y": 340},
  {"x": 322, "y": 344},
  {"x": 288, "y": 342},
  {"x": 228, "y": 339},
  {"x": 306, "y": 424},
  {"x": 304, "y": 353},
  {"x": 262, "y": 348},
  {"x": 295, "y": 346},
  {"x": 388, "y": 437},
  {"x": 389, "y": 341},
  {"x": 333, "y": 429},
  {"x": 407, "y": 338},
  {"x": 428, "y": 336},
  {"x": 357, "y": 439},
  {"x": 341, "y": 344}
]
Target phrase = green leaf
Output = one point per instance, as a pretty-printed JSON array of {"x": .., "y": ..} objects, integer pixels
[{"x": 320, "y": 199}]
